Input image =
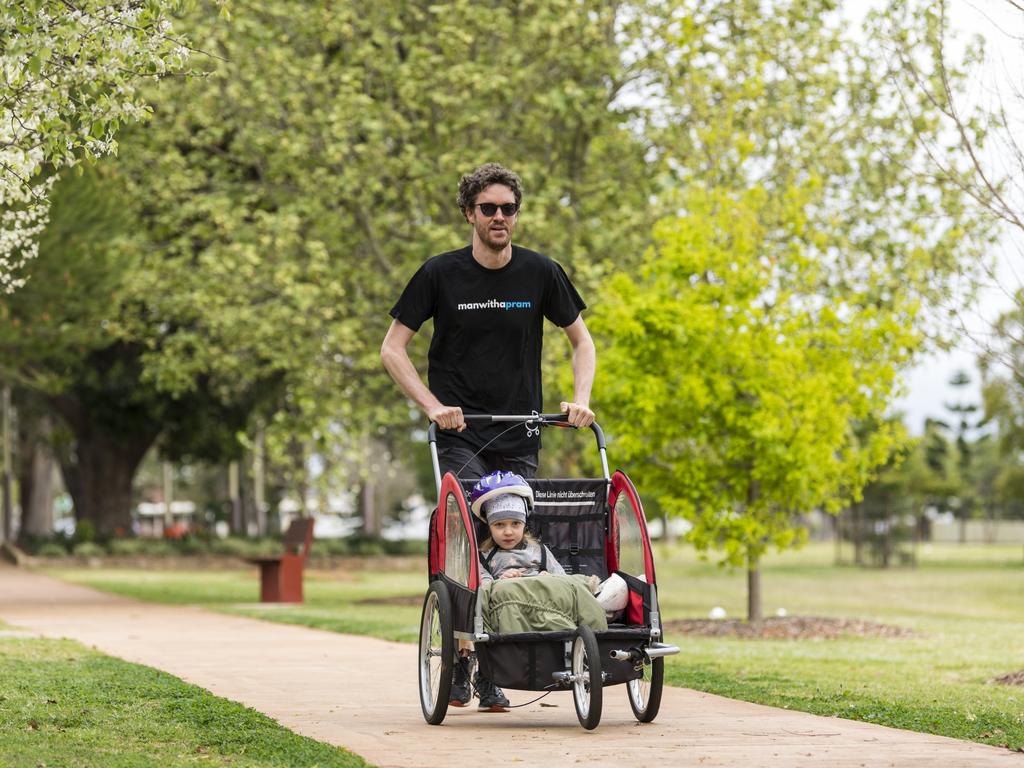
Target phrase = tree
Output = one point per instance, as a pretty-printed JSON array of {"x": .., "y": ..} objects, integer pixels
[
  {"x": 965, "y": 437},
  {"x": 326, "y": 180},
  {"x": 348, "y": 181},
  {"x": 985, "y": 160},
  {"x": 271, "y": 210},
  {"x": 936, "y": 481},
  {"x": 59, "y": 341},
  {"x": 775, "y": 311},
  {"x": 36, "y": 464},
  {"x": 71, "y": 74},
  {"x": 743, "y": 387},
  {"x": 54, "y": 323},
  {"x": 1002, "y": 371},
  {"x": 887, "y": 515},
  {"x": 276, "y": 205}
]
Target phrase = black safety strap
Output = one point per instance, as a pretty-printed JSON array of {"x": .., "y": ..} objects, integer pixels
[
  {"x": 486, "y": 559},
  {"x": 574, "y": 546}
]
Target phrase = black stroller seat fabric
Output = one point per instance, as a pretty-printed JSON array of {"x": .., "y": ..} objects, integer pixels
[{"x": 570, "y": 516}]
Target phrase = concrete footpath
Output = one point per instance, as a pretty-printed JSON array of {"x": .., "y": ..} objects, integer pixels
[{"x": 361, "y": 694}]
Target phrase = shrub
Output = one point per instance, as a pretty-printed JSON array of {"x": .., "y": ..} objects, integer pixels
[
  {"x": 157, "y": 547},
  {"x": 266, "y": 546},
  {"x": 85, "y": 530},
  {"x": 329, "y": 547},
  {"x": 191, "y": 546},
  {"x": 364, "y": 545},
  {"x": 88, "y": 549},
  {"x": 236, "y": 547},
  {"x": 31, "y": 544},
  {"x": 126, "y": 547},
  {"x": 201, "y": 533},
  {"x": 51, "y": 549},
  {"x": 406, "y": 547}
]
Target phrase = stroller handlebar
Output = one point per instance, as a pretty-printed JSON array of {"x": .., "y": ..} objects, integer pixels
[
  {"x": 544, "y": 419},
  {"x": 539, "y": 419}
]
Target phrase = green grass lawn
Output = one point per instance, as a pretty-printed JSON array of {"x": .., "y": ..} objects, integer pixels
[
  {"x": 964, "y": 604},
  {"x": 966, "y": 607},
  {"x": 64, "y": 705}
]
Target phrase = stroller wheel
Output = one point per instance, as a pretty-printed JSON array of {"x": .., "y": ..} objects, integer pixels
[
  {"x": 436, "y": 653},
  {"x": 587, "y": 682},
  {"x": 645, "y": 692}
]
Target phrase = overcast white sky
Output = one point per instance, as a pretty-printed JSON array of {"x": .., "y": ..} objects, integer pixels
[{"x": 1002, "y": 27}]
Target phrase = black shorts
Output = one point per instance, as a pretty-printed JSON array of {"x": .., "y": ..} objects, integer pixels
[{"x": 466, "y": 463}]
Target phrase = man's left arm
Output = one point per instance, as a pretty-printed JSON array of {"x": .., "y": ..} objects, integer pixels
[{"x": 584, "y": 363}]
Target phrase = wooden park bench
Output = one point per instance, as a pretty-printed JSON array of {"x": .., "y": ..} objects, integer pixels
[{"x": 281, "y": 575}]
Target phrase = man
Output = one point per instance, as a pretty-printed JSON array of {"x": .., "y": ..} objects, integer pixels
[{"x": 488, "y": 301}]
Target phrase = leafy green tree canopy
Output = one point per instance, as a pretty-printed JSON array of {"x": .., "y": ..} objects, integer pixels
[
  {"x": 69, "y": 77},
  {"x": 269, "y": 212},
  {"x": 774, "y": 313},
  {"x": 737, "y": 387}
]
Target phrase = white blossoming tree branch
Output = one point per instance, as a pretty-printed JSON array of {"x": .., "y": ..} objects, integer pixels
[{"x": 69, "y": 77}]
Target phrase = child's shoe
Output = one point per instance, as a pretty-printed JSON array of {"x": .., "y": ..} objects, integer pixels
[
  {"x": 492, "y": 698},
  {"x": 460, "y": 694}
]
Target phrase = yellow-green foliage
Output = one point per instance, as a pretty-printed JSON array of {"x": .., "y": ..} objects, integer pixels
[
  {"x": 746, "y": 366},
  {"x": 738, "y": 383}
]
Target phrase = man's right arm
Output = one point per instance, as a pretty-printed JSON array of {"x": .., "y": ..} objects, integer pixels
[{"x": 394, "y": 355}]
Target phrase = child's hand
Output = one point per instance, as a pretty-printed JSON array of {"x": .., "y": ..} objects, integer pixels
[{"x": 513, "y": 574}]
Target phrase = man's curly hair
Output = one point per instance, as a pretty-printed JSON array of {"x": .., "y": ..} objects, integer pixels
[{"x": 472, "y": 184}]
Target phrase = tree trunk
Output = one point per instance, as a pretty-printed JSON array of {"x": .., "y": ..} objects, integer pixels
[
  {"x": 6, "y": 440},
  {"x": 753, "y": 574},
  {"x": 754, "y": 608},
  {"x": 100, "y": 481},
  {"x": 235, "y": 523},
  {"x": 299, "y": 452},
  {"x": 259, "y": 482},
  {"x": 887, "y": 525},
  {"x": 837, "y": 538},
  {"x": 168, "y": 493},
  {"x": 36, "y": 478},
  {"x": 368, "y": 508},
  {"x": 99, "y": 471},
  {"x": 858, "y": 534}
]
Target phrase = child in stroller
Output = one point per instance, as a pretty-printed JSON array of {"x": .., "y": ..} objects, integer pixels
[{"x": 502, "y": 500}]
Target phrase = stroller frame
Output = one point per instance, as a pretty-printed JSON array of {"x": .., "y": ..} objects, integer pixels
[{"x": 603, "y": 534}]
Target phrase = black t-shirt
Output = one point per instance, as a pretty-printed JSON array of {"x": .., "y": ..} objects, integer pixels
[{"x": 485, "y": 353}]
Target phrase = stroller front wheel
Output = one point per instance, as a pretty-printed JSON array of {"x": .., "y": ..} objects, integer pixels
[
  {"x": 645, "y": 692},
  {"x": 586, "y": 677},
  {"x": 436, "y": 653}
]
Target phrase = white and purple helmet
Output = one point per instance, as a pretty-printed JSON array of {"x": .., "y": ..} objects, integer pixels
[{"x": 498, "y": 484}]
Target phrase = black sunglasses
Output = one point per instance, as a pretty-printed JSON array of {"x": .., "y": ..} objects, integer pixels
[{"x": 489, "y": 209}]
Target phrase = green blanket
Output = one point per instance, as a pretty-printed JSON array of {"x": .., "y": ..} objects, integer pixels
[{"x": 540, "y": 603}]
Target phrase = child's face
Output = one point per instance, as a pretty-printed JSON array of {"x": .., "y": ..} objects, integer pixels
[{"x": 507, "y": 533}]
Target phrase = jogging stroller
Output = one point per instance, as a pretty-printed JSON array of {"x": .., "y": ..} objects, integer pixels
[{"x": 593, "y": 526}]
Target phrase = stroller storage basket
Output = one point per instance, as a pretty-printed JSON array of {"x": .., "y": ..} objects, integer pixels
[{"x": 526, "y": 661}]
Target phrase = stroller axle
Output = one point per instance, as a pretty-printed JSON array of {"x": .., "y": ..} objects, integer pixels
[
  {"x": 566, "y": 679},
  {"x": 644, "y": 655}
]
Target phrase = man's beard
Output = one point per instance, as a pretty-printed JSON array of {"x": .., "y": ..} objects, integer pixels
[{"x": 487, "y": 236}]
